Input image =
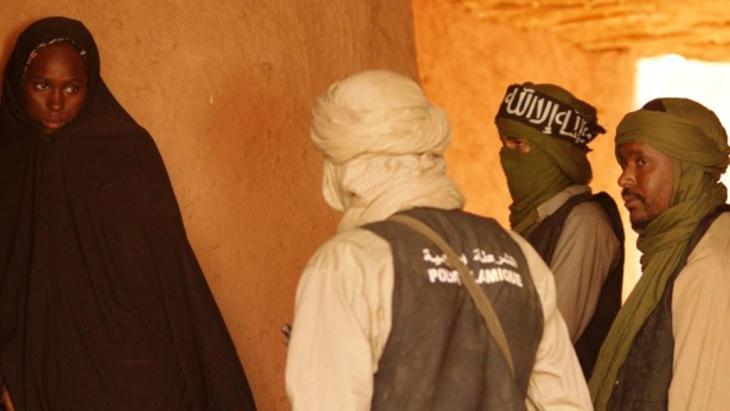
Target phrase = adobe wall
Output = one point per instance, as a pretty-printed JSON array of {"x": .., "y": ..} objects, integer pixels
[{"x": 225, "y": 88}]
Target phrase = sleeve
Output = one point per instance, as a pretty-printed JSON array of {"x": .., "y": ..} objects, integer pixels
[
  {"x": 557, "y": 380},
  {"x": 586, "y": 252},
  {"x": 341, "y": 322},
  {"x": 206, "y": 354},
  {"x": 701, "y": 326}
]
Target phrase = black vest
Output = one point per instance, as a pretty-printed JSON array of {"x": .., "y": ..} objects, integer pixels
[
  {"x": 439, "y": 354},
  {"x": 643, "y": 380},
  {"x": 545, "y": 237}
]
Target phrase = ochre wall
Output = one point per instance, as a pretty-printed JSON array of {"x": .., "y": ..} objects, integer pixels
[
  {"x": 466, "y": 64},
  {"x": 225, "y": 87}
]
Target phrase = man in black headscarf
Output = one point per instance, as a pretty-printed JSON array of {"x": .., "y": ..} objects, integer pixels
[
  {"x": 545, "y": 131},
  {"x": 669, "y": 346},
  {"x": 102, "y": 303}
]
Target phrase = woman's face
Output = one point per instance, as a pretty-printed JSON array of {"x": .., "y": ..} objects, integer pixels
[{"x": 55, "y": 86}]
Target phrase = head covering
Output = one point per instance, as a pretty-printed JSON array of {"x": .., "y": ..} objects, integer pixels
[
  {"x": 682, "y": 129},
  {"x": 377, "y": 112},
  {"x": 694, "y": 138},
  {"x": 557, "y": 126},
  {"x": 383, "y": 143},
  {"x": 33, "y": 39},
  {"x": 100, "y": 293}
]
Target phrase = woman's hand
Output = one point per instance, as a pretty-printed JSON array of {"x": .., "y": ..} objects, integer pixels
[{"x": 6, "y": 401}]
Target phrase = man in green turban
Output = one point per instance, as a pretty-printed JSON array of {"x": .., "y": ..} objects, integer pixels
[
  {"x": 544, "y": 131},
  {"x": 669, "y": 347}
]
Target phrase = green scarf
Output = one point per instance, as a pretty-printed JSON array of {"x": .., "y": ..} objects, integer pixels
[
  {"x": 693, "y": 136},
  {"x": 549, "y": 167}
]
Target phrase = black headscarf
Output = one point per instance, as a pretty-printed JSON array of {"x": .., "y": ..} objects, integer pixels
[{"x": 103, "y": 305}]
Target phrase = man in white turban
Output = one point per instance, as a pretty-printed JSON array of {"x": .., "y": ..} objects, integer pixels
[{"x": 391, "y": 312}]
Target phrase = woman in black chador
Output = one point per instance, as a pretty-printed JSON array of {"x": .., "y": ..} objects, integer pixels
[{"x": 102, "y": 303}]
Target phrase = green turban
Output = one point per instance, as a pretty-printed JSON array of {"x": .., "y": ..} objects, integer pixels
[
  {"x": 694, "y": 138},
  {"x": 557, "y": 127}
]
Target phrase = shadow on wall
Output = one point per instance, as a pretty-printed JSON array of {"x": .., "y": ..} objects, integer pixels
[{"x": 8, "y": 40}]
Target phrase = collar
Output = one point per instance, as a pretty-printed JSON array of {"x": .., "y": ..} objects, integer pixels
[{"x": 554, "y": 203}]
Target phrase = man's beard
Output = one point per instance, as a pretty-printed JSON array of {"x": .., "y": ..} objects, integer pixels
[{"x": 640, "y": 224}]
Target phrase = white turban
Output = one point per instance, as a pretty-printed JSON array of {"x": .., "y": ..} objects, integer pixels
[
  {"x": 383, "y": 144},
  {"x": 377, "y": 112}
]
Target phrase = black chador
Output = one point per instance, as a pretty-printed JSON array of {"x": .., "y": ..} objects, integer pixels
[{"x": 102, "y": 303}]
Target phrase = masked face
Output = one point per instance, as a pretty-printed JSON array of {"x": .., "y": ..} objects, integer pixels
[
  {"x": 55, "y": 87},
  {"x": 646, "y": 182},
  {"x": 530, "y": 172}
]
